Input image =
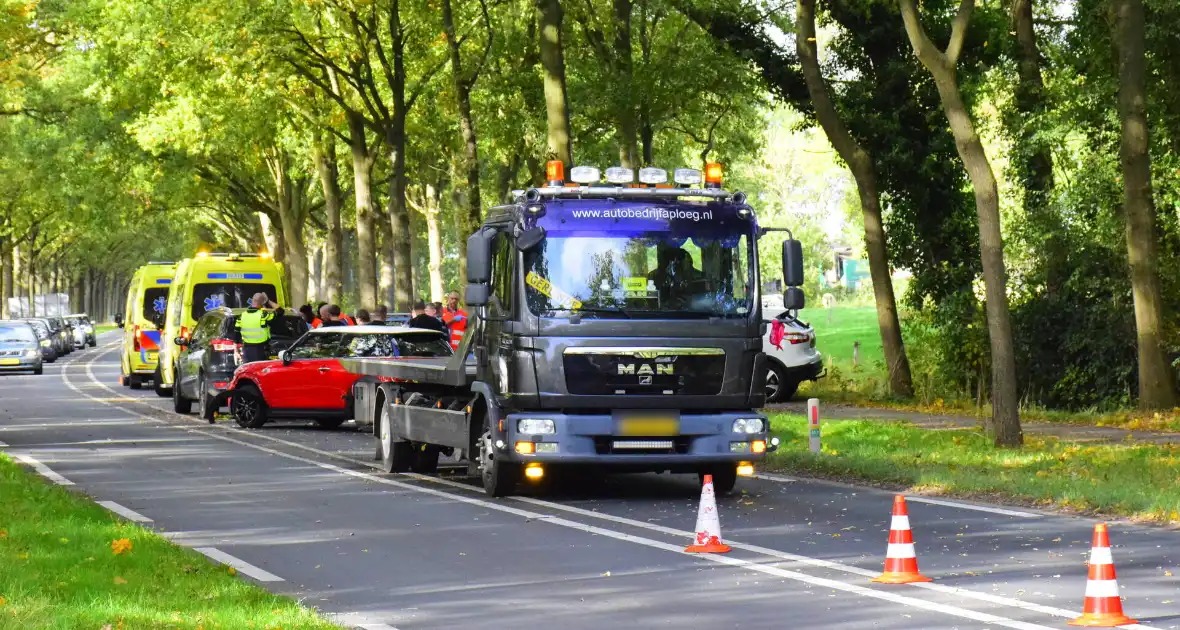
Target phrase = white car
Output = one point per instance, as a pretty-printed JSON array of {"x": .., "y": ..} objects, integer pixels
[{"x": 793, "y": 360}]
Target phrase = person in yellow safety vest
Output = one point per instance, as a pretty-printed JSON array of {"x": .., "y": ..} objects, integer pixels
[{"x": 254, "y": 325}]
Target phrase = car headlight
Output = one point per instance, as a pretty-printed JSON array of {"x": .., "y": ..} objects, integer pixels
[
  {"x": 45, "y": 343},
  {"x": 535, "y": 426},
  {"x": 33, "y": 353},
  {"x": 749, "y": 425}
]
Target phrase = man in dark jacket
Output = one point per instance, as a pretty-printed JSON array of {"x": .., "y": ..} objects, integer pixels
[{"x": 421, "y": 320}]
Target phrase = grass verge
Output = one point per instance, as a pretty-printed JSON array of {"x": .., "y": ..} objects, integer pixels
[
  {"x": 1130, "y": 480},
  {"x": 59, "y": 569}
]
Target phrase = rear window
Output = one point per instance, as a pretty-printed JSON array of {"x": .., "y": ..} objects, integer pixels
[
  {"x": 155, "y": 303},
  {"x": 395, "y": 345},
  {"x": 211, "y": 295},
  {"x": 16, "y": 333}
]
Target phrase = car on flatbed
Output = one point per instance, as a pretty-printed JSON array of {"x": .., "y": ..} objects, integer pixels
[{"x": 308, "y": 381}]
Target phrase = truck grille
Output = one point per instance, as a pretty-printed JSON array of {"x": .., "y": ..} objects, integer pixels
[
  {"x": 624, "y": 373},
  {"x": 10, "y": 353}
]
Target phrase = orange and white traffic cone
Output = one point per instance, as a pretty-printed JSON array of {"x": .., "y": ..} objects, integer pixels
[
  {"x": 901, "y": 563},
  {"x": 1103, "y": 607},
  {"x": 708, "y": 538}
]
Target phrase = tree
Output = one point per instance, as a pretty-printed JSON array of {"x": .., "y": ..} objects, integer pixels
[
  {"x": 557, "y": 112},
  {"x": 1156, "y": 389},
  {"x": 1005, "y": 420},
  {"x": 864, "y": 172}
]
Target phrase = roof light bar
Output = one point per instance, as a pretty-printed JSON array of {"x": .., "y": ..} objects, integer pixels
[
  {"x": 585, "y": 174},
  {"x": 653, "y": 175},
  {"x": 687, "y": 177},
  {"x": 620, "y": 175}
]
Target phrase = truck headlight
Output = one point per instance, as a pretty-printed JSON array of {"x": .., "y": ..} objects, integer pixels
[
  {"x": 749, "y": 425},
  {"x": 535, "y": 426}
]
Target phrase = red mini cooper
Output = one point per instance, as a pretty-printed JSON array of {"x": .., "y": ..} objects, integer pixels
[{"x": 308, "y": 380}]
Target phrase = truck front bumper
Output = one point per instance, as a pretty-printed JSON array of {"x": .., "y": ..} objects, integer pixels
[{"x": 600, "y": 440}]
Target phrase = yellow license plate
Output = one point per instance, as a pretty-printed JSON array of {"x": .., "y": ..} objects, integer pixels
[
  {"x": 657, "y": 424},
  {"x": 9, "y": 361},
  {"x": 274, "y": 357}
]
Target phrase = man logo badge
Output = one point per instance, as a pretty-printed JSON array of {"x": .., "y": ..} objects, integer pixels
[{"x": 644, "y": 369}]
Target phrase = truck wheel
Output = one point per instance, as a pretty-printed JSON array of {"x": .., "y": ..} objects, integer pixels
[
  {"x": 162, "y": 390},
  {"x": 135, "y": 381},
  {"x": 724, "y": 479},
  {"x": 425, "y": 459},
  {"x": 778, "y": 387},
  {"x": 180, "y": 404},
  {"x": 396, "y": 457},
  {"x": 329, "y": 423},
  {"x": 248, "y": 407},
  {"x": 499, "y": 477}
]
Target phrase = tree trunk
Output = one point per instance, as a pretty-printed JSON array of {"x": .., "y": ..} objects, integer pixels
[
  {"x": 324, "y": 154},
  {"x": 1005, "y": 420},
  {"x": 557, "y": 114},
  {"x": 628, "y": 127},
  {"x": 1156, "y": 389},
  {"x": 289, "y": 196},
  {"x": 362, "y": 175},
  {"x": 463, "y": 85},
  {"x": 864, "y": 172},
  {"x": 5, "y": 277},
  {"x": 399, "y": 221},
  {"x": 434, "y": 242},
  {"x": 385, "y": 265}
]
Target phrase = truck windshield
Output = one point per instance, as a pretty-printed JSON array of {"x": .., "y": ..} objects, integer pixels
[{"x": 656, "y": 269}]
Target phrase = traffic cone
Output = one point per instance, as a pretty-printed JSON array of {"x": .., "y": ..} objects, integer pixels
[
  {"x": 901, "y": 563},
  {"x": 708, "y": 538},
  {"x": 1103, "y": 607}
]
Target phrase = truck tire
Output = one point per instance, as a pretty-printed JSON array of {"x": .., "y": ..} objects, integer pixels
[
  {"x": 162, "y": 390},
  {"x": 248, "y": 407},
  {"x": 135, "y": 381},
  {"x": 329, "y": 423},
  {"x": 779, "y": 388},
  {"x": 180, "y": 404},
  {"x": 724, "y": 479},
  {"x": 396, "y": 457},
  {"x": 499, "y": 477},
  {"x": 425, "y": 460}
]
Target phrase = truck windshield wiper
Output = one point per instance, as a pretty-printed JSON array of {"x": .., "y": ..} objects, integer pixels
[{"x": 611, "y": 311}]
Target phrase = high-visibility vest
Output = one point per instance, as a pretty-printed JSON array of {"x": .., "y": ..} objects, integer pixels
[
  {"x": 253, "y": 324},
  {"x": 456, "y": 320}
]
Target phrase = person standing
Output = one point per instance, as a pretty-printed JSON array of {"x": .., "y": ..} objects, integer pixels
[
  {"x": 254, "y": 325},
  {"x": 330, "y": 316},
  {"x": 379, "y": 315},
  {"x": 455, "y": 319},
  {"x": 362, "y": 317},
  {"x": 421, "y": 319}
]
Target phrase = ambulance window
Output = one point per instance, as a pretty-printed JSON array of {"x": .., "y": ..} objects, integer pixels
[
  {"x": 210, "y": 295},
  {"x": 155, "y": 303}
]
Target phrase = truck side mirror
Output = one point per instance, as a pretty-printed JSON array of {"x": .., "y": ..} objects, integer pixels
[
  {"x": 793, "y": 298},
  {"x": 476, "y": 295},
  {"x": 479, "y": 257},
  {"x": 792, "y": 263}
]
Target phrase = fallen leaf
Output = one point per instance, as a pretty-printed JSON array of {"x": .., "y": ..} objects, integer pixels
[
  {"x": 120, "y": 546},
  {"x": 119, "y": 580},
  {"x": 607, "y": 574},
  {"x": 3, "y": 533},
  {"x": 231, "y": 570},
  {"x": 2, "y": 600},
  {"x": 1167, "y": 573}
]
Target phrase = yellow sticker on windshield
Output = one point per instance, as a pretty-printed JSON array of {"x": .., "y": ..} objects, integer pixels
[
  {"x": 635, "y": 284},
  {"x": 546, "y": 288}
]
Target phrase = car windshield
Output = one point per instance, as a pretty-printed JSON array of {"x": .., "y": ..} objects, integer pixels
[
  {"x": 12, "y": 333},
  {"x": 395, "y": 345},
  {"x": 637, "y": 261},
  {"x": 210, "y": 295}
]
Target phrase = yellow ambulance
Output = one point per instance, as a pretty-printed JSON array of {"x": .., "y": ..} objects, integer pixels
[
  {"x": 208, "y": 281},
  {"x": 143, "y": 321}
]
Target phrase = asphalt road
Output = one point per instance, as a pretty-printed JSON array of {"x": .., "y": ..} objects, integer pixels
[{"x": 303, "y": 511}]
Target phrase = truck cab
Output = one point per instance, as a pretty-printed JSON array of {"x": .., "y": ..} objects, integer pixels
[{"x": 617, "y": 328}]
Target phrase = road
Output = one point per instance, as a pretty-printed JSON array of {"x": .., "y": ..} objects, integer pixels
[{"x": 304, "y": 512}]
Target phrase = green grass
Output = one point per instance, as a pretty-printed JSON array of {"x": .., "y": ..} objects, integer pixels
[
  {"x": 1133, "y": 480},
  {"x": 58, "y": 570},
  {"x": 838, "y": 328}
]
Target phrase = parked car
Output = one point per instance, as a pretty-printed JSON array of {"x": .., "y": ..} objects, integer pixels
[
  {"x": 793, "y": 359},
  {"x": 83, "y": 330},
  {"x": 205, "y": 363},
  {"x": 398, "y": 319},
  {"x": 44, "y": 339},
  {"x": 61, "y": 328},
  {"x": 56, "y": 339},
  {"x": 19, "y": 347},
  {"x": 308, "y": 380}
]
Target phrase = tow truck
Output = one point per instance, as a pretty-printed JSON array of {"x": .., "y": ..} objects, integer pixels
[{"x": 616, "y": 327}]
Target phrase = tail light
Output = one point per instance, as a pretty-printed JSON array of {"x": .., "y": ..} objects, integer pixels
[
  {"x": 797, "y": 338},
  {"x": 220, "y": 384},
  {"x": 135, "y": 339},
  {"x": 184, "y": 331},
  {"x": 224, "y": 345}
]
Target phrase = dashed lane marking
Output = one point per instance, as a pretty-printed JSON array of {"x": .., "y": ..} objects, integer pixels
[
  {"x": 969, "y": 506},
  {"x": 243, "y": 567},
  {"x": 44, "y": 470}
]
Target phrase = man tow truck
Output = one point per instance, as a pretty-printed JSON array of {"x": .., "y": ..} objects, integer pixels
[{"x": 615, "y": 327}]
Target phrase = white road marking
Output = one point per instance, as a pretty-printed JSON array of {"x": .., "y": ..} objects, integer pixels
[
  {"x": 240, "y": 565},
  {"x": 970, "y": 506},
  {"x": 3, "y": 445},
  {"x": 770, "y": 477},
  {"x": 376, "y": 626},
  {"x": 126, "y": 513},
  {"x": 984, "y": 617},
  {"x": 45, "y": 471}
]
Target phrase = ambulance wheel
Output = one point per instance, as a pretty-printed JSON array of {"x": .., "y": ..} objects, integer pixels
[
  {"x": 397, "y": 456},
  {"x": 724, "y": 478},
  {"x": 162, "y": 390},
  {"x": 499, "y": 477}
]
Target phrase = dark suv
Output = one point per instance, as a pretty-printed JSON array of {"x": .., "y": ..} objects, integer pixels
[
  {"x": 206, "y": 361},
  {"x": 45, "y": 339}
]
